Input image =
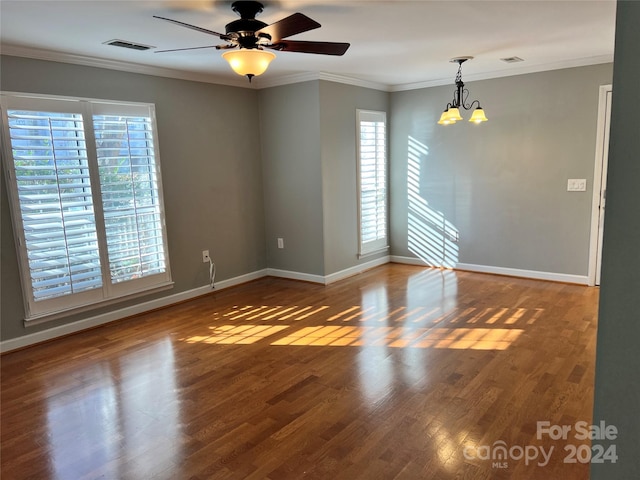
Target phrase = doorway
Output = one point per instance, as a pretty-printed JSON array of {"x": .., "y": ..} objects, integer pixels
[{"x": 600, "y": 185}]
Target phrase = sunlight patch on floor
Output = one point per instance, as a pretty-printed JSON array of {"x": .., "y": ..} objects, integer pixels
[
  {"x": 379, "y": 325},
  {"x": 453, "y": 338},
  {"x": 236, "y": 334}
]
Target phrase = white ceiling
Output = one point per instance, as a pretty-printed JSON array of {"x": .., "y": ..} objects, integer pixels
[{"x": 394, "y": 44}]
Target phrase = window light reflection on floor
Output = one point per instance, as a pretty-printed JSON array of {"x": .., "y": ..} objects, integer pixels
[
  {"x": 374, "y": 313},
  {"x": 236, "y": 334},
  {"x": 453, "y": 338},
  {"x": 454, "y": 328}
]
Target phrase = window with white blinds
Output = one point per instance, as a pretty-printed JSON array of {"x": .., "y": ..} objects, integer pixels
[
  {"x": 372, "y": 181},
  {"x": 86, "y": 198},
  {"x": 130, "y": 202}
]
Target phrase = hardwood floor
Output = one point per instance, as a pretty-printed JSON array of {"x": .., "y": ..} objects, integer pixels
[{"x": 399, "y": 372}]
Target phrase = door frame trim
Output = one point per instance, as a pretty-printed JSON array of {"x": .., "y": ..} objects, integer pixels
[{"x": 600, "y": 158}]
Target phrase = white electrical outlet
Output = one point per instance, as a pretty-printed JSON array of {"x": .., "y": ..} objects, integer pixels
[
  {"x": 205, "y": 256},
  {"x": 280, "y": 242}
]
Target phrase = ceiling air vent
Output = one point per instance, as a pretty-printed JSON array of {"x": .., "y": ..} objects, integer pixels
[
  {"x": 125, "y": 44},
  {"x": 512, "y": 59}
]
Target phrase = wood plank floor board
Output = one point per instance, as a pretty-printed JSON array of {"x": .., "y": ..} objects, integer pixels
[{"x": 393, "y": 373}]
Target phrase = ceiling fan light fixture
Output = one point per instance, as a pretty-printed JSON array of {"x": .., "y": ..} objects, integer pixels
[
  {"x": 249, "y": 37},
  {"x": 249, "y": 62}
]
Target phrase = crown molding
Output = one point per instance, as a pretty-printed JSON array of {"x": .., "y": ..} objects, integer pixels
[
  {"x": 523, "y": 70},
  {"x": 268, "y": 82},
  {"x": 53, "y": 56},
  {"x": 355, "y": 82}
]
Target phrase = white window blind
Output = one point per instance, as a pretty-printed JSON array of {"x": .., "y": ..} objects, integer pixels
[
  {"x": 372, "y": 181},
  {"x": 86, "y": 200},
  {"x": 129, "y": 186},
  {"x": 54, "y": 189}
]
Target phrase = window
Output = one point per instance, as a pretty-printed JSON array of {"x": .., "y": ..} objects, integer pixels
[
  {"x": 372, "y": 181},
  {"x": 86, "y": 198}
]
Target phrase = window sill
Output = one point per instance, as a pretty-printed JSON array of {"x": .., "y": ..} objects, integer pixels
[{"x": 47, "y": 317}]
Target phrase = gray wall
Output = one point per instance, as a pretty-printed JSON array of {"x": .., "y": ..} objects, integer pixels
[
  {"x": 338, "y": 132},
  {"x": 210, "y": 160},
  {"x": 617, "y": 390},
  {"x": 501, "y": 185},
  {"x": 290, "y": 122},
  {"x": 308, "y": 135}
]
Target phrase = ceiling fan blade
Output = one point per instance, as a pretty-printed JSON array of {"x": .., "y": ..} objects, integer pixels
[
  {"x": 291, "y": 25},
  {"x": 189, "y": 48},
  {"x": 322, "y": 48},
  {"x": 193, "y": 27}
]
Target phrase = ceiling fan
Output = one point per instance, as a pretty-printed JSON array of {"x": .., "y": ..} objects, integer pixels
[{"x": 249, "y": 37}]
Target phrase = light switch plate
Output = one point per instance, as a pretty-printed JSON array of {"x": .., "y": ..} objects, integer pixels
[{"x": 577, "y": 185}]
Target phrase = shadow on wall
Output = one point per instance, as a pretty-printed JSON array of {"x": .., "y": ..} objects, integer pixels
[{"x": 431, "y": 237}]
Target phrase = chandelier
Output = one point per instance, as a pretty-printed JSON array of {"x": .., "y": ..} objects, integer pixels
[{"x": 451, "y": 114}]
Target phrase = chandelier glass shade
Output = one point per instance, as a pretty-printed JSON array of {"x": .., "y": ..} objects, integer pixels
[{"x": 451, "y": 113}]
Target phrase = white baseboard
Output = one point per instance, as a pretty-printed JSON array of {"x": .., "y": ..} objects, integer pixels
[
  {"x": 510, "y": 272},
  {"x": 409, "y": 261},
  {"x": 355, "y": 270},
  {"x": 305, "y": 277},
  {"x": 331, "y": 278},
  {"x": 97, "y": 320},
  {"x": 533, "y": 274}
]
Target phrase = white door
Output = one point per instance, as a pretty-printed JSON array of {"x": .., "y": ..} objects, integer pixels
[{"x": 600, "y": 179}]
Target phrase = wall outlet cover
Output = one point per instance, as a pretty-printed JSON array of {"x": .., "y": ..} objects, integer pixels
[{"x": 577, "y": 185}]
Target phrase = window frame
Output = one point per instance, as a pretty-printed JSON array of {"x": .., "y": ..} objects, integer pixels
[
  {"x": 56, "y": 307},
  {"x": 380, "y": 244}
]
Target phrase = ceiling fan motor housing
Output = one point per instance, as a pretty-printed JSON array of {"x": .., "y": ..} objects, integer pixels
[
  {"x": 247, "y": 9},
  {"x": 247, "y": 25}
]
